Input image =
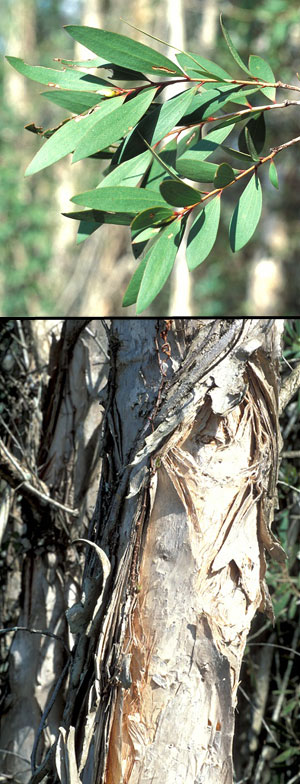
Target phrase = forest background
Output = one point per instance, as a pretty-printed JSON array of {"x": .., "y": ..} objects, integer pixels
[{"x": 42, "y": 270}]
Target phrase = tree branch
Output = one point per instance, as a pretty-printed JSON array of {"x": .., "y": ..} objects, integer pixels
[{"x": 22, "y": 479}]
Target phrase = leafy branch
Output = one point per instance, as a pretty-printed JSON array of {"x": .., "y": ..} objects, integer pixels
[{"x": 157, "y": 152}]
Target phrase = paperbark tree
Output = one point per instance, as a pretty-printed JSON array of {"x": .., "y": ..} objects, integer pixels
[{"x": 174, "y": 567}]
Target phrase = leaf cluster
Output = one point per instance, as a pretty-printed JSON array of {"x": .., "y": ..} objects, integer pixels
[{"x": 159, "y": 180}]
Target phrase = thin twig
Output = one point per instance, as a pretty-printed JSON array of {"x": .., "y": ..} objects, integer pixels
[
  {"x": 287, "y": 484},
  {"x": 45, "y": 714},
  {"x": 290, "y": 454},
  {"x": 43, "y": 632},
  {"x": 291, "y": 384},
  {"x": 12, "y": 477},
  {"x": 275, "y": 645}
]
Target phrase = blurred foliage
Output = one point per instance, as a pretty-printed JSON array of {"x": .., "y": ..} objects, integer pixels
[
  {"x": 25, "y": 232},
  {"x": 27, "y": 207}
]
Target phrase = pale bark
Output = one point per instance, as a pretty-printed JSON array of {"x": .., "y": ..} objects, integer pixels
[{"x": 176, "y": 569}]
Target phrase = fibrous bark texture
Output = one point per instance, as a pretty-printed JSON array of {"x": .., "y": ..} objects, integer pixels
[
  {"x": 214, "y": 457},
  {"x": 175, "y": 553}
]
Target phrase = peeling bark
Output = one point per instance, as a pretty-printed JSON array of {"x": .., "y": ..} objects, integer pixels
[{"x": 175, "y": 559}]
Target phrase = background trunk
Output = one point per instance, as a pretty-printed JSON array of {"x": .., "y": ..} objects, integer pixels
[{"x": 159, "y": 612}]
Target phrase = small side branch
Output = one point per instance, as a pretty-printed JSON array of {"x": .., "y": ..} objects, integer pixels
[
  {"x": 23, "y": 480},
  {"x": 292, "y": 383}
]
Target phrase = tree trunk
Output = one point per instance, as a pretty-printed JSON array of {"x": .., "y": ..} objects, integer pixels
[{"x": 175, "y": 549}]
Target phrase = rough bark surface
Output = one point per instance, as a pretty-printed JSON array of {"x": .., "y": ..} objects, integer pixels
[{"x": 175, "y": 564}]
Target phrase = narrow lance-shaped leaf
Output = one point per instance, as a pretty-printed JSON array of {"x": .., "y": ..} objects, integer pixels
[
  {"x": 117, "y": 72},
  {"x": 68, "y": 136},
  {"x": 203, "y": 233},
  {"x": 128, "y": 173},
  {"x": 159, "y": 264},
  {"x": 232, "y": 48},
  {"x": 124, "y": 51},
  {"x": 157, "y": 172},
  {"x": 204, "y": 147},
  {"x": 115, "y": 125},
  {"x": 75, "y": 101},
  {"x": 256, "y": 128},
  {"x": 237, "y": 118},
  {"x": 76, "y": 80},
  {"x": 209, "y": 102},
  {"x": 120, "y": 199},
  {"x": 162, "y": 163},
  {"x": 166, "y": 116},
  {"x": 273, "y": 175},
  {"x": 85, "y": 229},
  {"x": 157, "y": 123},
  {"x": 262, "y": 71},
  {"x": 246, "y": 214},
  {"x": 190, "y": 57},
  {"x": 242, "y": 156},
  {"x": 131, "y": 293},
  {"x": 200, "y": 65},
  {"x": 250, "y": 145}
]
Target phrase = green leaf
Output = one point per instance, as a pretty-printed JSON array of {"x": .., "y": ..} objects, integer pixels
[
  {"x": 152, "y": 216},
  {"x": 117, "y": 124},
  {"x": 232, "y": 48},
  {"x": 261, "y": 70},
  {"x": 224, "y": 175},
  {"x": 75, "y": 101},
  {"x": 76, "y": 80},
  {"x": 190, "y": 61},
  {"x": 250, "y": 145},
  {"x": 90, "y": 63},
  {"x": 90, "y": 220},
  {"x": 273, "y": 175},
  {"x": 158, "y": 171},
  {"x": 99, "y": 217},
  {"x": 252, "y": 137},
  {"x": 190, "y": 166},
  {"x": 85, "y": 229},
  {"x": 246, "y": 214},
  {"x": 161, "y": 162},
  {"x": 179, "y": 194},
  {"x": 285, "y": 755},
  {"x": 128, "y": 173},
  {"x": 242, "y": 156},
  {"x": 204, "y": 147},
  {"x": 207, "y": 103},
  {"x": 68, "y": 136},
  {"x": 157, "y": 123},
  {"x": 236, "y": 94},
  {"x": 237, "y": 118},
  {"x": 120, "y": 198},
  {"x": 124, "y": 51},
  {"x": 167, "y": 115},
  {"x": 131, "y": 293},
  {"x": 186, "y": 141},
  {"x": 202, "y": 234},
  {"x": 159, "y": 264},
  {"x": 139, "y": 237}
]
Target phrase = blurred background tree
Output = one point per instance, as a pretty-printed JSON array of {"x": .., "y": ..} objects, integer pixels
[{"x": 43, "y": 270}]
